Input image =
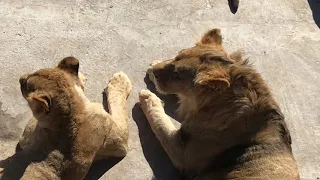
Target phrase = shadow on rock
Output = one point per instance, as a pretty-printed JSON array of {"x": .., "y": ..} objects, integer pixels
[
  {"x": 154, "y": 153},
  {"x": 157, "y": 158},
  {"x": 105, "y": 101},
  {"x": 15, "y": 166},
  {"x": 98, "y": 168},
  {"x": 315, "y": 8}
]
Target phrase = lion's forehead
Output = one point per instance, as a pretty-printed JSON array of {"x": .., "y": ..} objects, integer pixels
[
  {"x": 195, "y": 51},
  {"x": 55, "y": 76},
  {"x": 199, "y": 51}
]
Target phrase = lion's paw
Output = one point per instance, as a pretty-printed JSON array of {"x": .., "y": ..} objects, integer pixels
[
  {"x": 149, "y": 101},
  {"x": 119, "y": 82}
]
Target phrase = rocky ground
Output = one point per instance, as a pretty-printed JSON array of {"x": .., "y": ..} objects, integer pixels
[{"x": 281, "y": 37}]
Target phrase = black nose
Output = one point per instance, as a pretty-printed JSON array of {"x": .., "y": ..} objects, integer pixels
[
  {"x": 156, "y": 74},
  {"x": 23, "y": 80}
]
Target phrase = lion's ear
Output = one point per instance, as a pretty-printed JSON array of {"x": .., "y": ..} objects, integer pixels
[
  {"x": 39, "y": 103},
  {"x": 212, "y": 37},
  {"x": 239, "y": 55},
  {"x": 217, "y": 79},
  {"x": 70, "y": 64}
]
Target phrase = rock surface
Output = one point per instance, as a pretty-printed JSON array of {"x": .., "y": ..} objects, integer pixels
[{"x": 281, "y": 37}]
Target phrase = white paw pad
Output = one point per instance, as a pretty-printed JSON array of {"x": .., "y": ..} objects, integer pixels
[{"x": 120, "y": 82}]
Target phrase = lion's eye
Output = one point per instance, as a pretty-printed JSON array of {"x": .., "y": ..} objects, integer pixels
[{"x": 178, "y": 58}]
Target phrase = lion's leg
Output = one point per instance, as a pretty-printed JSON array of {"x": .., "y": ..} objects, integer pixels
[
  {"x": 116, "y": 142},
  {"x": 162, "y": 127},
  {"x": 117, "y": 91}
]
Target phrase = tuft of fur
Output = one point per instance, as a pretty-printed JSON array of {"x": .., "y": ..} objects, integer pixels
[
  {"x": 232, "y": 128},
  {"x": 68, "y": 132}
]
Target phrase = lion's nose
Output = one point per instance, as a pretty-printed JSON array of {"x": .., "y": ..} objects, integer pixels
[
  {"x": 23, "y": 80},
  {"x": 156, "y": 74}
]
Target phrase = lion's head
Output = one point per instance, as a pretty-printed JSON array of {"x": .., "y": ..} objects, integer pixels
[
  {"x": 48, "y": 91},
  {"x": 205, "y": 65}
]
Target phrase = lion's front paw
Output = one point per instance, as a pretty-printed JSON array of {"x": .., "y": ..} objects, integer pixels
[
  {"x": 149, "y": 101},
  {"x": 119, "y": 82}
]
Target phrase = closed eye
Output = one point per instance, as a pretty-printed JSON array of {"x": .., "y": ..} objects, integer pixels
[
  {"x": 178, "y": 58},
  {"x": 222, "y": 60},
  {"x": 208, "y": 57}
]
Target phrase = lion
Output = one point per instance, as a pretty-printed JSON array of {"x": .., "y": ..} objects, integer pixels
[
  {"x": 68, "y": 132},
  {"x": 232, "y": 128}
]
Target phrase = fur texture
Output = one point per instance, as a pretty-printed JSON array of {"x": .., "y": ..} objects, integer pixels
[
  {"x": 67, "y": 131},
  {"x": 231, "y": 128}
]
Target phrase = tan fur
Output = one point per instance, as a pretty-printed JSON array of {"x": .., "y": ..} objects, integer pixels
[
  {"x": 231, "y": 126},
  {"x": 68, "y": 131}
]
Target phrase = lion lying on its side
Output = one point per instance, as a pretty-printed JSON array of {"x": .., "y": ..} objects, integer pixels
[
  {"x": 232, "y": 127},
  {"x": 68, "y": 132}
]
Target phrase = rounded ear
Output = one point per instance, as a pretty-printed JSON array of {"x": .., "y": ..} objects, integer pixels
[
  {"x": 239, "y": 55},
  {"x": 215, "y": 57},
  {"x": 39, "y": 103},
  {"x": 217, "y": 79},
  {"x": 70, "y": 64},
  {"x": 212, "y": 37}
]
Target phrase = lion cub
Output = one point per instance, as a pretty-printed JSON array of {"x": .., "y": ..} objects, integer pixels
[
  {"x": 231, "y": 128},
  {"x": 68, "y": 132}
]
